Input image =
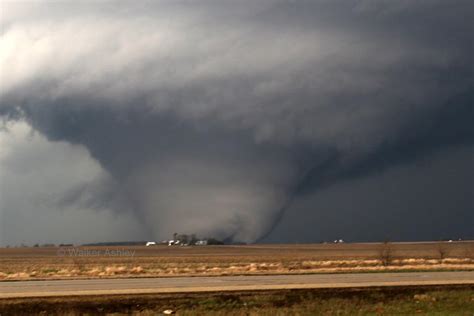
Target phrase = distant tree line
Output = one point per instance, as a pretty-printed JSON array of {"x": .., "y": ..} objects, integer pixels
[{"x": 192, "y": 239}]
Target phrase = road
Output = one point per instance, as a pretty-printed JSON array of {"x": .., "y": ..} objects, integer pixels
[{"x": 16, "y": 289}]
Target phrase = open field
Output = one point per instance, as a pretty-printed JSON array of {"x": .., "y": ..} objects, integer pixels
[
  {"x": 162, "y": 261},
  {"x": 446, "y": 300}
]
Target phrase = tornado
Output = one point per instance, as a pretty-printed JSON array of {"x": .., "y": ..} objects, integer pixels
[{"x": 213, "y": 118}]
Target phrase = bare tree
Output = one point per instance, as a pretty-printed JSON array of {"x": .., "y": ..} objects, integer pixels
[
  {"x": 386, "y": 253},
  {"x": 442, "y": 249}
]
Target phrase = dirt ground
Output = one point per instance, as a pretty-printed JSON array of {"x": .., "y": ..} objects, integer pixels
[{"x": 140, "y": 261}]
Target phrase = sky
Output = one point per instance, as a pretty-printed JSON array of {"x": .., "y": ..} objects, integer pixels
[{"x": 248, "y": 121}]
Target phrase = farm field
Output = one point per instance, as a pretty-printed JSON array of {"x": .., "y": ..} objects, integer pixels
[{"x": 162, "y": 261}]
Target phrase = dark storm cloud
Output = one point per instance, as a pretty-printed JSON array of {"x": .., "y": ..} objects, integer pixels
[
  {"x": 214, "y": 117},
  {"x": 426, "y": 199},
  {"x": 449, "y": 128}
]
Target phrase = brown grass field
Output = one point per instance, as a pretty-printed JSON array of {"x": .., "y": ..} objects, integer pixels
[{"x": 162, "y": 261}]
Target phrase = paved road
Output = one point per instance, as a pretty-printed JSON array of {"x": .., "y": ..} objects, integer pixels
[{"x": 12, "y": 289}]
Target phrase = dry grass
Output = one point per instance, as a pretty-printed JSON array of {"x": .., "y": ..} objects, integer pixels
[
  {"x": 446, "y": 300},
  {"x": 45, "y": 263}
]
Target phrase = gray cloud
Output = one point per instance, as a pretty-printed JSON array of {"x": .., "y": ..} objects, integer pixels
[
  {"x": 36, "y": 176},
  {"x": 214, "y": 117}
]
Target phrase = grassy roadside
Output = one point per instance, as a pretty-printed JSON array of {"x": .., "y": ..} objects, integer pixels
[
  {"x": 433, "y": 300},
  {"x": 301, "y": 272}
]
